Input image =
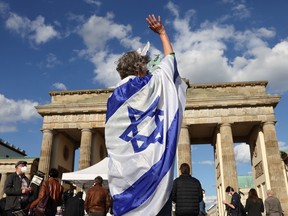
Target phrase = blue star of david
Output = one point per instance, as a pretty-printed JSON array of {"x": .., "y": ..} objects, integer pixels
[{"x": 144, "y": 120}]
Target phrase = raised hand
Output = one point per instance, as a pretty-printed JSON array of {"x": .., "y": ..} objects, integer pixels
[{"x": 155, "y": 25}]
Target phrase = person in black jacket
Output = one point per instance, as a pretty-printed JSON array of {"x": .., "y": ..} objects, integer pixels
[
  {"x": 186, "y": 193},
  {"x": 233, "y": 207},
  {"x": 254, "y": 205},
  {"x": 17, "y": 189},
  {"x": 74, "y": 206}
]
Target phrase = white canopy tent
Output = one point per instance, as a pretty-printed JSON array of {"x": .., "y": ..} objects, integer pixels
[{"x": 84, "y": 178}]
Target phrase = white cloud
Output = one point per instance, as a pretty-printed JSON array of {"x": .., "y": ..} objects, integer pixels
[
  {"x": 214, "y": 52},
  {"x": 207, "y": 162},
  {"x": 41, "y": 32},
  {"x": 173, "y": 8},
  {"x": 36, "y": 31},
  {"x": 13, "y": 112},
  {"x": 59, "y": 86},
  {"x": 242, "y": 153},
  {"x": 105, "y": 71},
  {"x": 202, "y": 57},
  {"x": 4, "y": 9},
  {"x": 266, "y": 64},
  {"x": 7, "y": 128},
  {"x": 283, "y": 146},
  {"x": 105, "y": 63},
  {"x": 209, "y": 200},
  {"x": 52, "y": 60},
  {"x": 193, "y": 148},
  {"x": 93, "y": 2},
  {"x": 98, "y": 30},
  {"x": 240, "y": 11}
]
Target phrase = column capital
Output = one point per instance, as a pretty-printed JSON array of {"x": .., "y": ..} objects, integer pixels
[
  {"x": 268, "y": 123},
  {"x": 225, "y": 124},
  {"x": 47, "y": 130},
  {"x": 184, "y": 125},
  {"x": 86, "y": 129}
]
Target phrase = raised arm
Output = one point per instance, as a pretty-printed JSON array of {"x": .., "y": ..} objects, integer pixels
[{"x": 157, "y": 26}]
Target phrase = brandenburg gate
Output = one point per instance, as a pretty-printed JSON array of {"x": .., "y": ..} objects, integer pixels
[{"x": 219, "y": 114}]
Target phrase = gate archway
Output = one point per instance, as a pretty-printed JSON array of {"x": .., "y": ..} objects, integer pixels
[{"x": 219, "y": 114}]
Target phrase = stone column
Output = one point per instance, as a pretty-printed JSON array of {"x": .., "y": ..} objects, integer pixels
[
  {"x": 219, "y": 172},
  {"x": 260, "y": 165},
  {"x": 2, "y": 183},
  {"x": 227, "y": 158},
  {"x": 85, "y": 148},
  {"x": 98, "y": 150},
  {"x": 184, "y": 149},
  {"x": 46, "y": 150},
  {"x": 275, "y": 166}
]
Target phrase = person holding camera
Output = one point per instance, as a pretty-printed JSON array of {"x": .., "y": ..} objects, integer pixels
[{"x": 233, "y": 207}]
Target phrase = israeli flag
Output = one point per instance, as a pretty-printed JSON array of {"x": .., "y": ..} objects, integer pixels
[{"x": 143, "y": 121}]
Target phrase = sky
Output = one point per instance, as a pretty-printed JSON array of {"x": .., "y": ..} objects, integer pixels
[{"x": 53, "y": 45}]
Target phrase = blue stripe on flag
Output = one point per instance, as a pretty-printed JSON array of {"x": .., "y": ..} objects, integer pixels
[
  {"x": 124, "y": 92},
  {"x": 142, "y": 189},
  {"x": 176, "y": 73}
]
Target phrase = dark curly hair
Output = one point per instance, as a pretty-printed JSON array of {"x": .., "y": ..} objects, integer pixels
[
  {"x": 132, "y": 63},
  {"x": 98, "y": 180},
  {"x": 53, "y": 173}
]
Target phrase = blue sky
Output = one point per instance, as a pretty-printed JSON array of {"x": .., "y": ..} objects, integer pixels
[{"x": 51, "y": 45}]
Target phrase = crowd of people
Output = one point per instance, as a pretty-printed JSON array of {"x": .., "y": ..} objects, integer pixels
[
  {"x": 23, "y": 198},
  {"x": 47, "y": 199},
  {"x": 254, "y": 205}
]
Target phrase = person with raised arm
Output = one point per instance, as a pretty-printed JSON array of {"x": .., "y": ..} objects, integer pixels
[{"x": 143, "y": 121}]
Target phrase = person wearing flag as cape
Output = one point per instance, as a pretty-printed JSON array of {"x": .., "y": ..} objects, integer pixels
[{"x": 143, "y": 121}]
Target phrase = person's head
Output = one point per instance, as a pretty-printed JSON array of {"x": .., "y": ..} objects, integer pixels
[
  {"x": 229, "y": 190},
  {"x": 98, "y": 180},
  {"x": 132, "y": 63},
  {"x": 53, "y": 173},
  {"x": 185, "y": 168},
  {"x": 252, "y": 194},
  {"x": 21, "y": 167},
  {"x": 269, "y": 192}
]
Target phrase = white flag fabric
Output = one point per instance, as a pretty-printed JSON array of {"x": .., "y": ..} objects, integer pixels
[{"x": 143, "y": 121}]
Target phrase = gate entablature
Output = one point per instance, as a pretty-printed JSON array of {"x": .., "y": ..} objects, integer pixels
[{"x": 243, "y": 104}]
